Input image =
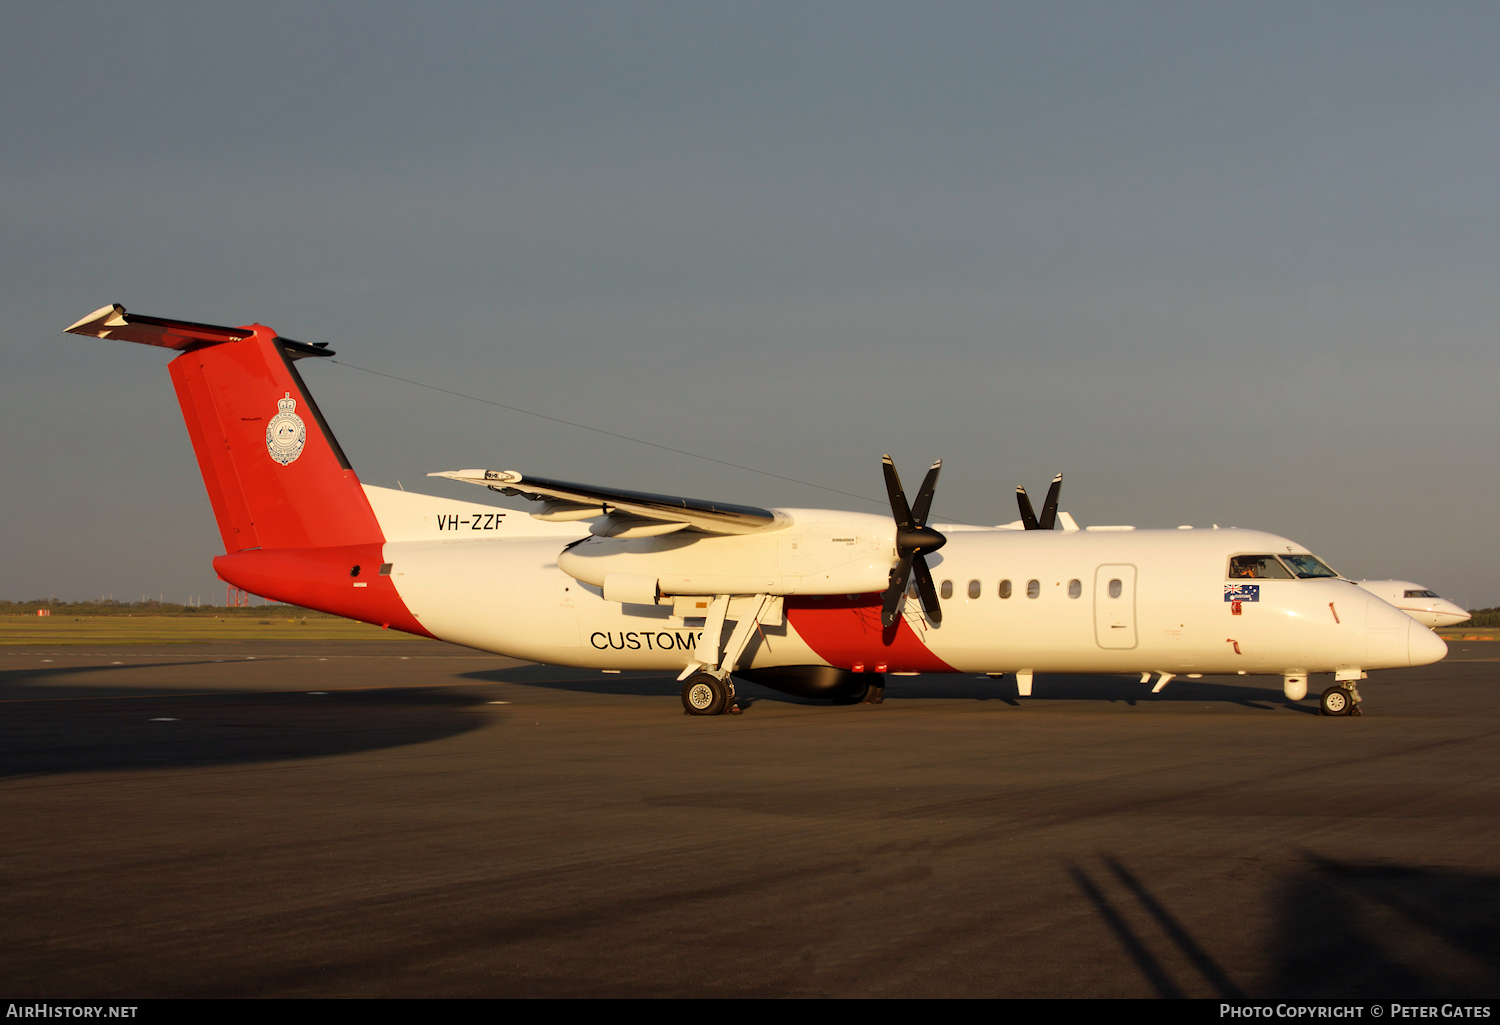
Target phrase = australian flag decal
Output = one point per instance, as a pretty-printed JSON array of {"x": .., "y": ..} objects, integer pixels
[{"x": 1242, "y": 592}]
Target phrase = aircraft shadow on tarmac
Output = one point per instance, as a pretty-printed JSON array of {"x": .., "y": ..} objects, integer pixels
[
  {"x": 61, "y": 681},
  {"x": 107, "y": 728},
  {"x": 1345, "y": 931},
  {"x": 46, "y": 730},
  {"x": 949, "y": 687}
]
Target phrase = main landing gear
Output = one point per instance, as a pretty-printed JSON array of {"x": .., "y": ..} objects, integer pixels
[
  {"x": 1342, "y": 699},
  {"x": 707, "y": 688},
  {"x": 706, "y": 694}
]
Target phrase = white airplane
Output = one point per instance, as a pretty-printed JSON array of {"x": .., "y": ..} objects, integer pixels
[
  {"x": 1418, "y": 602},
  {"x": 823, "y": 603}
]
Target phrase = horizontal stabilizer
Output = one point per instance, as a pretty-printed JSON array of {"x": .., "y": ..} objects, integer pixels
[{"x": 113, "y": 322}]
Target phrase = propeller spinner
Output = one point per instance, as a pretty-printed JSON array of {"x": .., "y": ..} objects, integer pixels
[
  {"x": 1049, "y": 508},
  {"x": 914, "y": 538}
]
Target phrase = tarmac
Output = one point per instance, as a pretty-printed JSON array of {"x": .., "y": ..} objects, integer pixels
[{"x": 403, "y": 820}]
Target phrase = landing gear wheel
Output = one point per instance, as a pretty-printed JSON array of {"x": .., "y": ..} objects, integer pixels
[
  {"x": 1336, "y": 701},
  {"x": 704, "y": 694},
  {"x": 874, "y": 695}
]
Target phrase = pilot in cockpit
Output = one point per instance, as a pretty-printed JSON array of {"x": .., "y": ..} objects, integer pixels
[{"x": 1255, "y": 567}]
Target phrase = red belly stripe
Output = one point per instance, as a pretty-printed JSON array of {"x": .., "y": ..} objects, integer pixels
[{"x": 846, "y": 632}]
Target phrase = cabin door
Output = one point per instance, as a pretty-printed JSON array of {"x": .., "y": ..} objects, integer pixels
[{"x": 1114, "y": 606}]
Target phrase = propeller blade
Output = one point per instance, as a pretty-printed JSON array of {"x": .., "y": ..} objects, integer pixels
[
  {"x": 924, "y": 494},
  {"x": 1049, "y": 508},
  {"x": 899, "y": 509},
  {"x": 913, "y": 537},
  {"x": 891, "y": 607},
  {"x": 1028, "y": 517},
  {"x": 930, "y": 604}
]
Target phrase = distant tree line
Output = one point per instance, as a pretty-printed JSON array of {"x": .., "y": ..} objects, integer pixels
[
  {"x": 113, "y": 607},
  {"x": 1484, "y": 617}
]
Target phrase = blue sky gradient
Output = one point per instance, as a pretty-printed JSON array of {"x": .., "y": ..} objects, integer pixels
[{"x": 1218, "y": 264}]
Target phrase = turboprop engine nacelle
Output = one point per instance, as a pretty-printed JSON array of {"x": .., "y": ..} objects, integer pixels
[{"x": 817, "y": 552}]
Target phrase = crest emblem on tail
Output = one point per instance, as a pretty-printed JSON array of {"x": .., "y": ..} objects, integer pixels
[{"x": 286, "y": 433}]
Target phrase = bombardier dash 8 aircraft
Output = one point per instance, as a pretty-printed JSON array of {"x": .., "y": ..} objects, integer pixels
[{"x": 811, "y": 602}]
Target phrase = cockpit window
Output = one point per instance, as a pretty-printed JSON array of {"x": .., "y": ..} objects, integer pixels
[
  {"x": 1308, "y": 566},
  {"x": 1258, "y": 567},
  {"x": 1420, "y": 594}
]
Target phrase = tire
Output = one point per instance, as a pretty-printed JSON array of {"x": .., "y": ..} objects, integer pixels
[
  {"x": 703, "y": 694},
  {"x": 1336, "y": 701}
]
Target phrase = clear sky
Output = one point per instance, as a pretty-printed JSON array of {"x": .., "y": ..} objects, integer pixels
[{"x": 1218, "y": 263}]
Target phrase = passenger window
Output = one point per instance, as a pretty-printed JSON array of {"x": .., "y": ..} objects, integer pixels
[
  {"x": 974, "y": 587},
  {"x": 1115, "y": 588},
  {"x": 946, "y": 591},
  {"x": 1033, "y": 588},
  {"x": 1005, "y": 588},
  {"x": 1257, "y": 567},
  {"x": 1075, "y": 588}
]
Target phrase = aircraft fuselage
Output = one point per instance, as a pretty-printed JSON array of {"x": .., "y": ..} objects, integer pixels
[{"x": 1109, "y": 601}]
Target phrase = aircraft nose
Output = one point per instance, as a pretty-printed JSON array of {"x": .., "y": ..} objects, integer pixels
[
  {"x": 1451, "y": 613},
  {"x": 1423, "y": 646}
]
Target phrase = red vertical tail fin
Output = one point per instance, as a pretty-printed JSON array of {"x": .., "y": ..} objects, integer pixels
[
  {"x": 275, "y": 474},
  {"x": 295, "y": 521},
  {"x": 281, "y": 477}
]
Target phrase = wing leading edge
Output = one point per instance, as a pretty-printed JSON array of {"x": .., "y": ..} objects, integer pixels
[{"x": 625, "y": 513}]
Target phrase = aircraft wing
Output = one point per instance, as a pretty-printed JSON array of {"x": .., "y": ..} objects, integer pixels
[{"x": 626, "y": 513}]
